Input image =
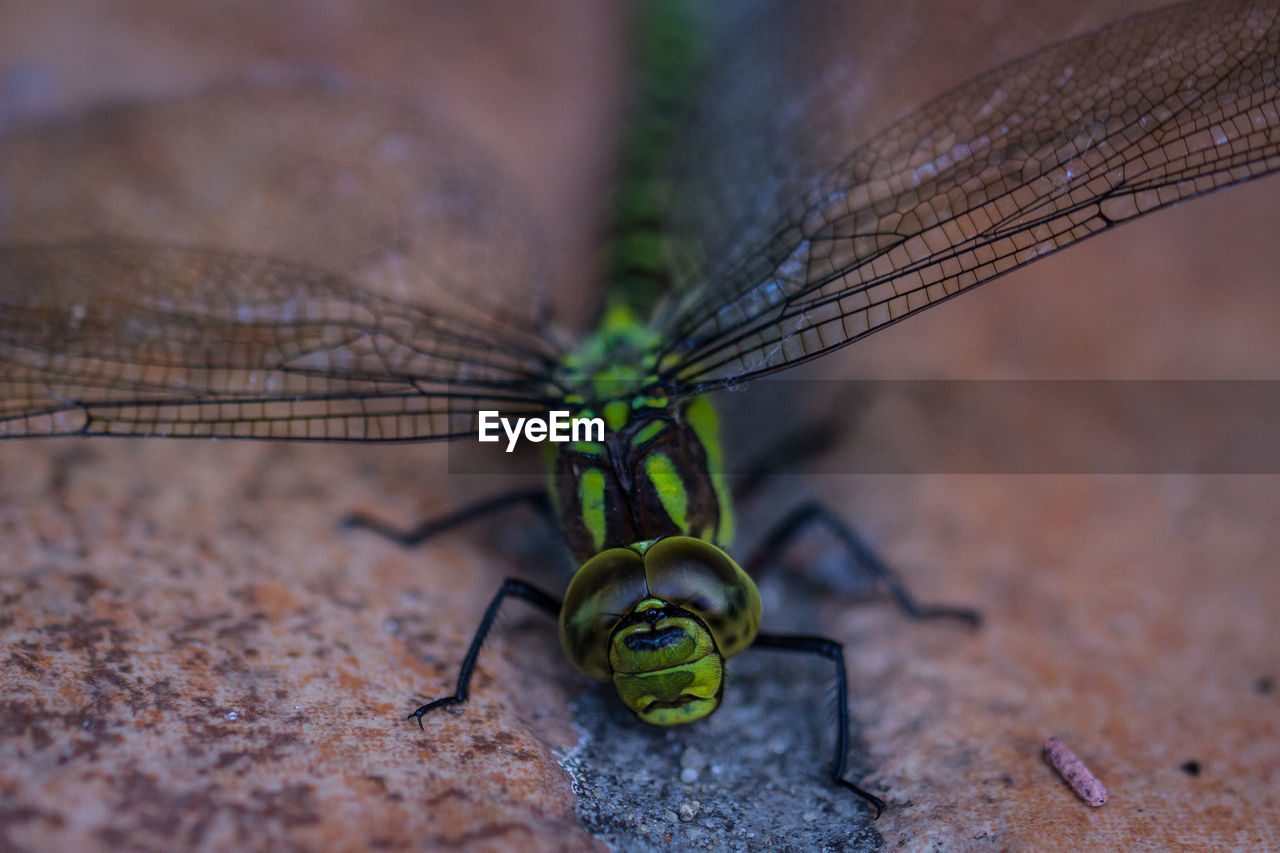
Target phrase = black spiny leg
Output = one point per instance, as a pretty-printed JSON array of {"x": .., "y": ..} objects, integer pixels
[
  {"x": 536, "y": 498},
  {"x": 810, "y": 514},
  {"x": 510, "y": 587},
  {"x": 834, "y": 652}
]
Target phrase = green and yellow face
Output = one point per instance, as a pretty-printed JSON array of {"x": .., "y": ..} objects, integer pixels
[
  {"x": 658, "y": 619},
  {"x": 665, "y": 664}
]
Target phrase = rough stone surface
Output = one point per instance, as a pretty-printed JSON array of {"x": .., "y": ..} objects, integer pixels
[{"x": 193, "y": 655}]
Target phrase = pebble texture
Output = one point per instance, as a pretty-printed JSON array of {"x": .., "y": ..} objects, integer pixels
[{"x": 194, "y": 656}]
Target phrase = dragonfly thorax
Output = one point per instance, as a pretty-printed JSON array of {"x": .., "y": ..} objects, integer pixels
[{"x": 656, "y": 473}]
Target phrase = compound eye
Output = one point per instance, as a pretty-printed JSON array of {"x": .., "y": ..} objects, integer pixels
[
  {"x": 604, "y": 590},
  {"x": 705, "y": 580}
]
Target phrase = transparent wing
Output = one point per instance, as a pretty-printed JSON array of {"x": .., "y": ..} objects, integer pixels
[
  {"x": 1009, "y": 167},
  {"x": 371, "y": 279}
]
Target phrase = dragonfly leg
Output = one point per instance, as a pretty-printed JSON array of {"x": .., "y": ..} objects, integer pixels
[
  {"x": 511, "y": 587},
  {"x": 536, "y": 498},
  {"x": 834, "y": 652},
  {"x": 808, "y": 515}
]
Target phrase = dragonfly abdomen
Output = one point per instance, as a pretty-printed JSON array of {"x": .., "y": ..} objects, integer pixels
[{"x": 671, "y": 51}]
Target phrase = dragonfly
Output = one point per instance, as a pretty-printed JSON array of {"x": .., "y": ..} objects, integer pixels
[{"x": 750, "y": 235}]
